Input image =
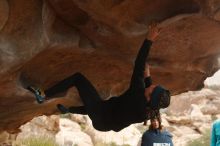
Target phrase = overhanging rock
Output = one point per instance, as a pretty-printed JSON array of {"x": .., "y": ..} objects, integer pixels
[{"x": 44, "y": 41}]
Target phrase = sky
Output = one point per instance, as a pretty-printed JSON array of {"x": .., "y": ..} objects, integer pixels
[{"x": 214, "y": 81}]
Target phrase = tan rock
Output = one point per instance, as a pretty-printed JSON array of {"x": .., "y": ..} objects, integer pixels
[
  {"x": 183, "y": 120},
  {"x": 185, "y": 139},
  {"x": 209, "y": 109},
  {"x": 82, "y": 119},
  {"x": 216, "y": 103},
  {"x": 202, "y": 127},
  {"x": 185, "y": 100},
  {"x": 69, "y": 138},
  {"x": 129, "y": 135},
  {"x": 184, "y": 130},
  {"x": 218, "y": 116},
  {"x": 70, "y": 134},
  {"x": 195, "y": 112},
  {"x": 68, "y": 125},
  {"x": 42, "y": 126},
  {"x": 165, "y": 123},
  {"x": 44, "y": 41}
]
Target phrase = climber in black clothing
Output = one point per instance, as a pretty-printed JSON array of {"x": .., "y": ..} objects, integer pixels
[{"x": 116, "y": 113}]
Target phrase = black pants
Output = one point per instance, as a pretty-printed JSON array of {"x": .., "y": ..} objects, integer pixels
[
  {"x": 87, "y": 92},
  {"x": 93, "y": 104}
]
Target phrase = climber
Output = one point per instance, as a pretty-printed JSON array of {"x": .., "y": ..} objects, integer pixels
[
  {"x": 116, "y": 113},
  {"x": 156, "y": 135}
]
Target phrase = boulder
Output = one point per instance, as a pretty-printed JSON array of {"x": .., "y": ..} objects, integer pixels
[
  {"x": 130, "y": 136},
  {"x": 45, "y": 41},
  {"x": 70, "y": 134}
]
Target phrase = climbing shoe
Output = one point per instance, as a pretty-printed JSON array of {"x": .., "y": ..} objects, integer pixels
[
  {"x": 39, "y": 94},
  {"x": 62, "y": 109}
]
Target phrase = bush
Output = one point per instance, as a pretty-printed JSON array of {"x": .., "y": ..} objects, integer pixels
[
  {"x": 38, "y": 141},
  {"x": 110, "y": 144},
  {"x": 202, "y": 141}
]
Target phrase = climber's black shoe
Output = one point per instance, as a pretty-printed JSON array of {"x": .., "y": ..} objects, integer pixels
[
  {"x": 39, "y": 94},
  {"x": 62, "y": 109}
]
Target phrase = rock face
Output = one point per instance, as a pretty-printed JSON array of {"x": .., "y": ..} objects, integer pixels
[
  {"x": 44, "y": 41},
  {"x": 70, "y": 134}
]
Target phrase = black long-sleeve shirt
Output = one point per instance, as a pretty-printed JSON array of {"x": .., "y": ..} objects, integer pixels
[{"x": 130, "y": 107}]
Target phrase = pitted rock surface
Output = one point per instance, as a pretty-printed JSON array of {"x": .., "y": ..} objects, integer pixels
[{"x": 44, "y": 41}]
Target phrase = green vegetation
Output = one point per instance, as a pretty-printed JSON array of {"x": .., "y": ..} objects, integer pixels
[
  {"x": 202, "y": 141},
  {"x": 82, "y": 126},
  {"x": 37, "y": 141},
  {"x": 66, "y": 116},
  {"x": 214, "y": 118},
  {"x": 110, "y": 144}
]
